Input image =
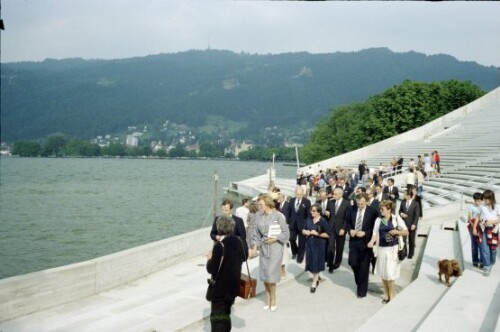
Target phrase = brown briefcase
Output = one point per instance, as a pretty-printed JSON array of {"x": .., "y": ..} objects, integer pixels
[{"x": 247, "y": 286}]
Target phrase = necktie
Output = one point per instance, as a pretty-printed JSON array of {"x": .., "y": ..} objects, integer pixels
[
  {"x": 337, "y": 203},
  {"x": 297, "y": 204},
  {"x": 407, "y": 205},
  {"x": 359, "y": 220},
  {"x": 324, "y": 206}
]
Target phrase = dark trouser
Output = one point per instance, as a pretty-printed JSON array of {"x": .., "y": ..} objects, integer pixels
[
  {"x": 335, "y": 250},
  {"x": 300, "y": 249},
  {"x": 411, "y": 242},
  {"x": 373, "y": 261},
  {"x": 359, "y": 260},
  {"x": 220, "y": 317}
]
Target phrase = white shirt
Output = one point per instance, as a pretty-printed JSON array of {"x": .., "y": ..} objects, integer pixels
[
  {"x": 490, "y": 214},
  {"x": 410, "y": 178},
  {"x": 242, "y": 212}
]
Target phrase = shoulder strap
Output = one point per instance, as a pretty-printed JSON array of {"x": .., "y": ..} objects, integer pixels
[
  {"x": 221, "y": 260},
  {"x": 248, "y": 269}
]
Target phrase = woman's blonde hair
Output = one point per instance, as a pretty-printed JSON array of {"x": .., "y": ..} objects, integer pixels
[
  {"x": 268, "y": 200},
  {"x": 388, "y": 204}
]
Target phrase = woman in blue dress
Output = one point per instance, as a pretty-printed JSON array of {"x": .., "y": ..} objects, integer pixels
[{"x": 316, "y": 231}]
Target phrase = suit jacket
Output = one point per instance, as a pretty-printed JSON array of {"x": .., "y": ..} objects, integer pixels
[
  {"x": 394, "y": 191},
  {"x": 361, "y": 169},
  {"x": 413, "y": 213},
  {"x": 329, "y": 190},
  {"x": 347, "y": 191},
  {"x": 376, "y": 204},
  {"x": 385, "y": 196},
  {"x": 299, "y": 218},
  {"x": 353, "y": 180},
  {"x": 325, "y": 209},
  {"x": 285, "y": 210},
  {"x": 368, "y": 223},
  {"x": 338, "y": 219}
]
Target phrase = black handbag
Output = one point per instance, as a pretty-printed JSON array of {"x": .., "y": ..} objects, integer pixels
[
  {"x": 211, "y": 281},
  {"x": 402, "y": 253}
]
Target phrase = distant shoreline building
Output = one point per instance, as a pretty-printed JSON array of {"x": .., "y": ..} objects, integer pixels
[{"x": 235, "y": 148}]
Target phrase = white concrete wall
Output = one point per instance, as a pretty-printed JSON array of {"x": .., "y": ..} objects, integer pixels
[
  {"x": 420, "y": 133},
  {"x": 36, "y": 291}
]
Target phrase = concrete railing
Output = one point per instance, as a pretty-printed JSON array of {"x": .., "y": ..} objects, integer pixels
[
  {"x": 422, "y": 133},
  {"x": 36, "y": 291}
]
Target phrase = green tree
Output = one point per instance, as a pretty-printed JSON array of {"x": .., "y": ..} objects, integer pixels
[
  {"x": 54, "y": 146},
  {"x": 178, "y": 151},
  {"x": 76, "y": 147},
  {"x": 114, "y": 150},
  {"x": 26, "y": 149},
  {"x": 211, "y": 149},
  {"x": 398, "y": 109},
  {"x": 161, "y": 153}
]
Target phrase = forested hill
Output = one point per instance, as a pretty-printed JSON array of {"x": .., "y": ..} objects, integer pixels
[{"x": 85, "y": 98}]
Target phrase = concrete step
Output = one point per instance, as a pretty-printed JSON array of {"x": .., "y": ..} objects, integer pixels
[
  {"x": 471, "y": 303},
  {"x": 420, "y": 297}
]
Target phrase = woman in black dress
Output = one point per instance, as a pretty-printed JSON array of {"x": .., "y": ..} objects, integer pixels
[
  {"x": 226, "y": 274},
  {"x": 316, "y": 231}
]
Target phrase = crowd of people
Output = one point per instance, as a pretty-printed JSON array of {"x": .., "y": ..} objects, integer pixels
[
  {"x": 367, "y": 211},
  {"x": 418, "y": 171}
]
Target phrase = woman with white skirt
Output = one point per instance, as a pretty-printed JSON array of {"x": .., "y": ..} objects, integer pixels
[{"x": 385, "y": 243}]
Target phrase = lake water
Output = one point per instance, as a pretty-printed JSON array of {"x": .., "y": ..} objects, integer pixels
[{"x": 60, "y": 211}]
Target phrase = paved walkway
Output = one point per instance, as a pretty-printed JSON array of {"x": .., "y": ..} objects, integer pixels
[
  {"x": 173, "y": 300},
  {"x": 334, "y": 306}
]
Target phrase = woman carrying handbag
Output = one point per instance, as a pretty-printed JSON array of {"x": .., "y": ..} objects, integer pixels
[
  {"x": 224, "y": 264},
  {"x": 388, "y": 228}
]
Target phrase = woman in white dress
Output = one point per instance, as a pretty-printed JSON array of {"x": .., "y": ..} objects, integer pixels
[
  {"x": 427, "y": 165},
  {"x": 385, "y": 238},
  {"x": 271, "y": 234}
]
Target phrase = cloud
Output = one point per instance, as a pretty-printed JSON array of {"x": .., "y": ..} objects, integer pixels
[{"x": 36, "y": 30}]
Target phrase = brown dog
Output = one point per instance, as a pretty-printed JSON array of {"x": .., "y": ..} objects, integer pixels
[{"x": 450, "y": 268}]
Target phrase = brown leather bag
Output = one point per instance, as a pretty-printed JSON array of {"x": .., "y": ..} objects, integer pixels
[{"x": 248, "y": 286}]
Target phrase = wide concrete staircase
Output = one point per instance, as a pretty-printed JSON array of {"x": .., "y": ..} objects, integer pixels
[
  {"x": 160, "y": 286},
  {"x": 469, "y": 145}
]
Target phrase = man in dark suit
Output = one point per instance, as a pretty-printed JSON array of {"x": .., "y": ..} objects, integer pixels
[
  {"x": 353, "y": 180},
  {"x": 323, "y": 202},
  {"x": 345, "y": 188},
  {"x": 379, "y": 193},
  {"x": 239, "y": 226},
  {"x": 360, "y": 222},
  {"x": 400, "y": 164},
  {"x": 331, "y": 186},
  {"x": 283, "y": 206},
  {"x": 410, "y": 212},
  {"x": 300, "y": 210},
  {"x": 391, "y": 190},
  {"x": 361, "y": 168},
  {"x": 337, "y": 210},
  {"x": 374, "y": 203}
]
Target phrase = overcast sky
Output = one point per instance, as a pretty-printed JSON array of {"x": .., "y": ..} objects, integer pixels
[{"x": 110, "y": 29}]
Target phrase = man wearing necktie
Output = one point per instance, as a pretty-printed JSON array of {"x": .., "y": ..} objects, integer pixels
[
  {"x": 391, "y": 190},
  {"x": 410, "y": 212},
  {"x": 338, "y": 209},
  {"x": 300, "y": 209},
  {"x": 360, "y": 222}
]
